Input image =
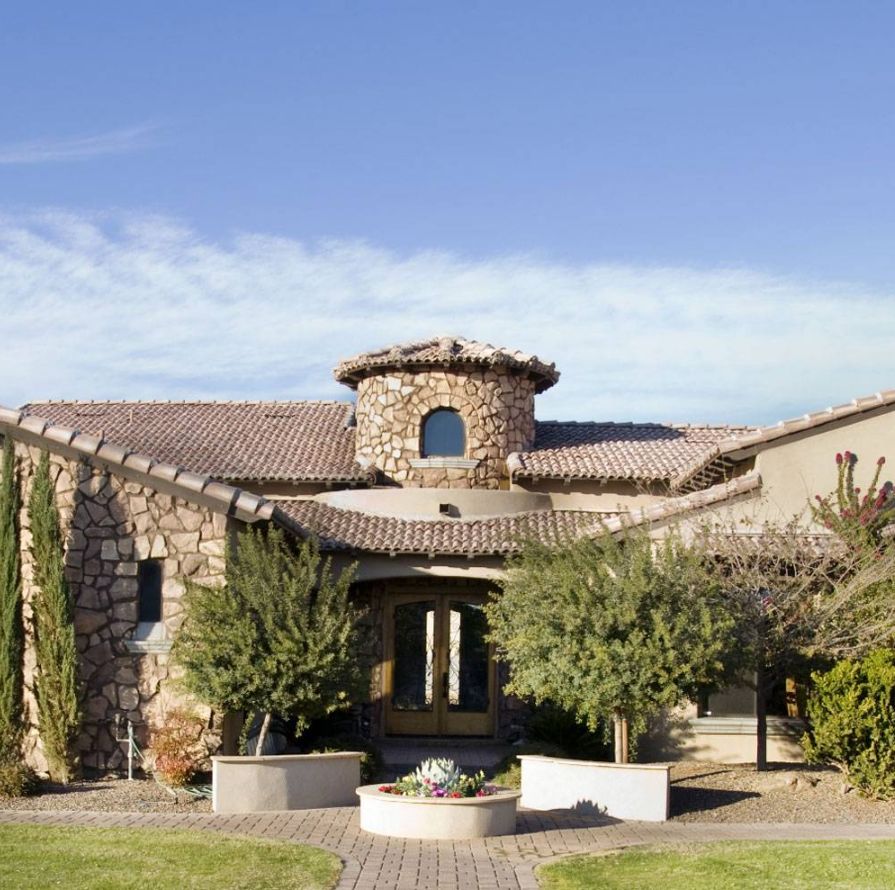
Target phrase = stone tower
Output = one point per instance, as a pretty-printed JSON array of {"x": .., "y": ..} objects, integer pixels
[{"x": 444, "y": 412}]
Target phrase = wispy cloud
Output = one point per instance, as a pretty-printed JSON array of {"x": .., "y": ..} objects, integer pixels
[
  {"x": 79, "y": 148},
  {"x": 139, "y": 307}
]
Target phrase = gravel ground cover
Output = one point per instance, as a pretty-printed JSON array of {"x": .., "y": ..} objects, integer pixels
[
  {"x": 711, "y": 792},
  {"x": 700, "y": 792},
  {"x": 109, "y": 795}
]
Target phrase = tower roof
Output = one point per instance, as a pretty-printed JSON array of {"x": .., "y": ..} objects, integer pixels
[{"x": 444, "y": 352}]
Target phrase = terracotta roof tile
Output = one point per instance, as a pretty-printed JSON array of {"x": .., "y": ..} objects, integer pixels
[
  {"x": 857, "y": 406},
  {"x": 636, "y": 451},
  {"x": 713, "y": 464},
  {"x": 278, "y": 441},
  {"x": 226, "y": 498},
  {"x": 674, "y": 507},
  {"x": 437, "y": 351},
  {"x": 341, "y": 529}
]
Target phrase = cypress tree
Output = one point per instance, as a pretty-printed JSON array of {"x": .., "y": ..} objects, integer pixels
[
  {"x": 12, "y": 633},
  {"x": 56, "y": 684}
]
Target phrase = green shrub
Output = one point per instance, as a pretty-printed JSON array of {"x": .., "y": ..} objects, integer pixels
[
  {"x": 176, "y": 749},
  {"x": 852, "y": 714},
  {"x": 509, "y": 771},
  {"x": 17, "y": 780},
  {"x": 371, "y": 764},
  {"x": 553, "y": 726},
  {"x": 553, "y": 732},
  {"x": 281, "y": 637}
]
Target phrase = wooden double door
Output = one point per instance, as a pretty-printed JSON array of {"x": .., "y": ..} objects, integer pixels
[{"x": 439, "y": 672}]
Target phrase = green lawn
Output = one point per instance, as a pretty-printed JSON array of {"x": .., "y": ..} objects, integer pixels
[
  {"x": 35, "y": 857},
  {"x": 795, "y": 865}
]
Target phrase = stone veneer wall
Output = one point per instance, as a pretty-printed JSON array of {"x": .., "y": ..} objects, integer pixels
[
  {"x": 497, "y": 408},
  {"x": 110, "y": 524}
]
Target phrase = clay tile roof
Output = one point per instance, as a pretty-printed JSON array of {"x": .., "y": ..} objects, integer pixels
[
  {"x": 226, "y": 499},
  {"x": 715, "y": 462},
  {"x": 279, "y": 441},
  {"x": 856, "y": 407},
  {"x": 440, "y": 351},
  {"x": 341, "y": 529},
  {"x": 674, "y": 507},
  {"x": 633, "y": 451}
]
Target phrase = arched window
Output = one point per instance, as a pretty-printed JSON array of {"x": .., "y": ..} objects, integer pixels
[{"x": 443, "y": 434}]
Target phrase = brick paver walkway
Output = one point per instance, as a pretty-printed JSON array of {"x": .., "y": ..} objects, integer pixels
[{"x": 491, "y": 864}]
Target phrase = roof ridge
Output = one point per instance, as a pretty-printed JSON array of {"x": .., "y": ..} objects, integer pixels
[
  {"x": 660, "y": 424},
  {"x": 189, "y": 402},
  {"x": 810, "y": 420}
]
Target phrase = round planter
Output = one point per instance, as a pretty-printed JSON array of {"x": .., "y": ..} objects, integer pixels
[{"x": 437, "y": 818}]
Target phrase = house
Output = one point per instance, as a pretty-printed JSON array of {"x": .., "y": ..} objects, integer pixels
[{"x": 428, "y": 479}]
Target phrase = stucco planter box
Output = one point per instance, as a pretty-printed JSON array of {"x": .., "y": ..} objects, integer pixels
[
  {"x": 285, "y": 782},
  {"x": 621, "y": 790},
  {"x": 437, "y": 818}
]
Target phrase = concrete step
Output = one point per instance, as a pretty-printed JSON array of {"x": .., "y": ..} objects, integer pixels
[{"x": 404, "y": 754}]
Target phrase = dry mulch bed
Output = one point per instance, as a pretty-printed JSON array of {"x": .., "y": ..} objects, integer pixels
[
  {"x": 109, "y": 795},
  {"x": 700, "y": 792},
  {"x": 713, "y": 792}
]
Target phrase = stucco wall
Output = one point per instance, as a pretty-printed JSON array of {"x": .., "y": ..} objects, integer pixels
[
  {"x": 594, "y": 494},
  {"x": 497, "y": 410},
  {"x": 795, "y": 471},
  {"x": 800, "y": 467},
  {"x": 109, "y": 525}
]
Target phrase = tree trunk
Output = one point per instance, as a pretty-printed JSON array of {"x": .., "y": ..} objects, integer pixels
[
  {"x": 621, "y": 738},
  {"x": 761, "y": 720},
  {"x": 262, "y": 735}
]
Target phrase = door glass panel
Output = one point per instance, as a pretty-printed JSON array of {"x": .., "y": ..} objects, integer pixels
[
  {"x": 467, "y": 658},
  {"x": 414, "y": 671}
]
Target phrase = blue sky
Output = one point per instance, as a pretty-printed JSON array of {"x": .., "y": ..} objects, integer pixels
[{"x": 689, "y": 206}]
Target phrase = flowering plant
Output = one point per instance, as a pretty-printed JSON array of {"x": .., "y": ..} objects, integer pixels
[
  {"x": 440, "y": 777},
  {"x": 857, "y": 518}
]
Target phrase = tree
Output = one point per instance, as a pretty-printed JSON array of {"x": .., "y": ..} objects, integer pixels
[
  {"x": 772, "y": 583},
  {"x": 281, "y": 637},
  {"x": 56, "y": 683},
  {"x": 799, "y": 597},
  {"x": 610, "y": 628},
  {"x": 857, "y": 615},
  {"x": 12, "y": 632}
]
